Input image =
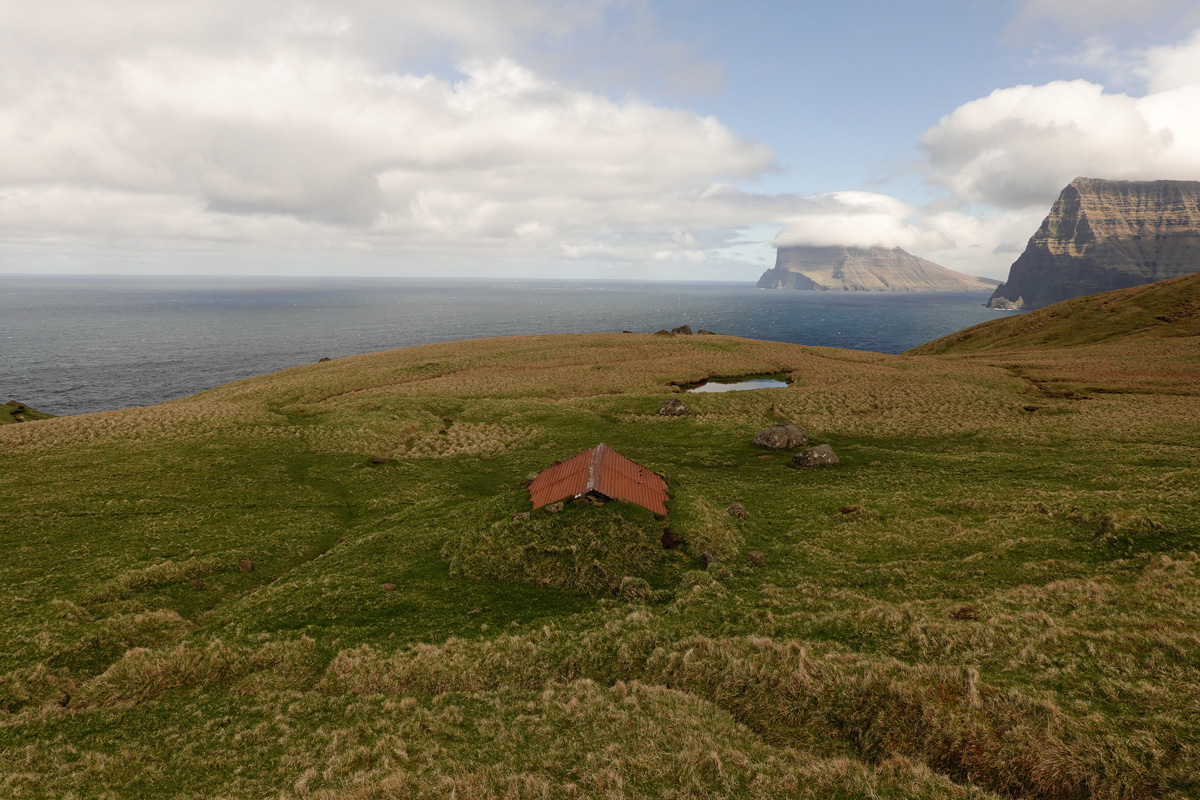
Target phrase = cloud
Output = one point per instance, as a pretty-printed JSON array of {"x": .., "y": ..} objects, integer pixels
[
  {"x": 1019, "y": 146},
  {"x": 1091, "y": 15},
  {"x": 282, "y": 129},
  {"x": 857, "y": 219}
]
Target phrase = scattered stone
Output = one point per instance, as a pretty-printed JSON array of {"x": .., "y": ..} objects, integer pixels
[
  {"x": 197, "y": 584},
  {"x": 663, "y": 332},
  {"x": 848, "y": 509},
  {"x": 818, "y": 456},
  {"x": 520, "y": 515},
  {"x": 674, "y": 407},
  {"x": 755, "y": 557},
  {"x": 706, "y": 558},
  {"x": 669, "y": 540},
  {"x": 377, "y": 460},
  {"x": 323, "y": 360},
  {"x": 737, "y": 511},
  {"x": 703, "y": 332},
  {"x": 684, "y": 330},
  {"x": 781, "y": 437},
  {"x": 389, "y": 587},
  {"x": 626, "y": 331},
  {"x": 554, "y": 508},
  {"x": 245, "y": 566},
  {"x": 475, "y": 610}
]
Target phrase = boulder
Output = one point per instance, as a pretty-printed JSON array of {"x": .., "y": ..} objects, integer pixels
[
  {"x": 674, "y": 407},
  {"x": 685, "y": 330},
  {"x": 737, "y": 511},
  {"x": 703, "y": 332},
  {"x": 245, "y": 566},
  {"x": 706, "y": 558},
  {"x": 815, "y": 456},
  {"x": 755, "y": 557},
  {"x": 663, "y": 332},
  {"x": 554, "y": 508},
  {"x": 389, "y": 587},
  {"x": 323, "y": 360},
  {"x": 520, "y": 515},
  {"x": 378, "y": 460},
  {"x": 781, "y": 437}
]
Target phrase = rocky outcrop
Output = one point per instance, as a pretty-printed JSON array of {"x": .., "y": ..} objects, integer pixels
[
  {"x": 781, "y": 437},
  {"x": 817, "y": 456},
  {"x": 674, "y": 407},
  {"x": 864, "y": 269},
  {"x": 1104, "y": 235}
]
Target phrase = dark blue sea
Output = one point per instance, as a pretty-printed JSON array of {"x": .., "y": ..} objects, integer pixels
[{"x": 72, "y": 345}]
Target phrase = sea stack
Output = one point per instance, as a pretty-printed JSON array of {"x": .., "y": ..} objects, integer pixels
[
  {"x": 864, "y": 269},
  {"x": 1103, "y": 235}
]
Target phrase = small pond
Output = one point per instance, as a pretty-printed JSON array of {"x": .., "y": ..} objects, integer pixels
[{"x": 740, "y": 384}]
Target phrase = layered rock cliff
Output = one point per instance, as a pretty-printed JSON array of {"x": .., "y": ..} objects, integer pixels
[
  {"x": 1103, "y": 235},
  {"x": 864, "y": 269}
]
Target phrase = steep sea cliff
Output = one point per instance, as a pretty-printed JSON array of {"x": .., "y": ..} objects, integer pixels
[{"x": 1102, "y": 235}]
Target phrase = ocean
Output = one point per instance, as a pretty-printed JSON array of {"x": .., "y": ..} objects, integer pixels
[{"x": 73, "y": 345}]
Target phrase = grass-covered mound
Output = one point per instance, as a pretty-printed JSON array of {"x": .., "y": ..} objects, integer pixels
[
  {"x": 584, "y": 549},
  {"x": 311, "y": 584}
]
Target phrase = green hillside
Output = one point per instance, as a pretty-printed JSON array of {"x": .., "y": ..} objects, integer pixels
[
  {"x": 312, "y": 584},
  {"x": 1165, "y": 309}
]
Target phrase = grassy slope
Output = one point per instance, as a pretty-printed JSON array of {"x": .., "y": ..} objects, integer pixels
[
  {"x": 1011, "y": 607},
  {"x": 1155, "y": 311}
]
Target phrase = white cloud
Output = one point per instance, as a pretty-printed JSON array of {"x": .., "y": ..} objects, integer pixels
[
  {"x": 857, "y": 219},
  {"x": 1019, "y": 146},
  {"x": 280, "y": 130},
  {"x": 1090, "y": 15}
]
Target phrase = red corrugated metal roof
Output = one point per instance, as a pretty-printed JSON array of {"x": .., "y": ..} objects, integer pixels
[{"x": 602, "y": 470}]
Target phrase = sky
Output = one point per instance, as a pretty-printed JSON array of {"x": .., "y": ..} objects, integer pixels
[{"x": 624, "y": 139}]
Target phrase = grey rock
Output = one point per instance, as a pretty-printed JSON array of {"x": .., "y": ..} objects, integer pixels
[
  {"x": 520, "y": 515},
  {"x": 706, "y": 558},
  {"x": 674, "y": 407},
  {"x": 737, "y": 511},
  {"x": 781, "y": 437},
  {"x": 684, "y": 330},
  {"x": 755, "y": 557},
  {"x": 554, "y": 508},
  {"x": 817, "y": 456}
]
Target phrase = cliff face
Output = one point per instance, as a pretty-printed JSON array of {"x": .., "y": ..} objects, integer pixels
[
  {"x": 1104, "y": 235},
  {"x": 864, "y": 269}
]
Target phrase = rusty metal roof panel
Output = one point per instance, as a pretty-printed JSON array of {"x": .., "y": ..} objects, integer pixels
[
  {"x": 603, "y": 470},
  {"x": 566, "y": 478}
]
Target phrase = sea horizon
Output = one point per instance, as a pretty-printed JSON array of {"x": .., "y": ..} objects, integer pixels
[{"x": 78, "y": 343}]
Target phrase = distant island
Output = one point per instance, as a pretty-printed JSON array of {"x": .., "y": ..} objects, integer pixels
[
  {"x": 1102, "y": 235},
  {"x": 864, "y": 269}
]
